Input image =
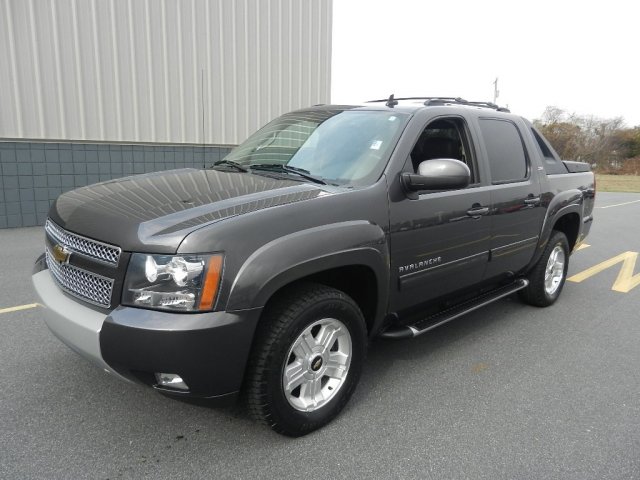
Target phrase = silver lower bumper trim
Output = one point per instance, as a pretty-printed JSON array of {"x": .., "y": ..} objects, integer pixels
[{"x": 74, "y": 324}]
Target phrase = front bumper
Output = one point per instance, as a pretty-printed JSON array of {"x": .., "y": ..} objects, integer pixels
[
  {"x": 208, "y": 350},
  {"x": 74, "y": 324}
]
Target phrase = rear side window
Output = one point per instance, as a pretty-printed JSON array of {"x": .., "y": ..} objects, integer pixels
[
  {"x": 551, "y": 162},
  {"x": 507, "y": 158}
]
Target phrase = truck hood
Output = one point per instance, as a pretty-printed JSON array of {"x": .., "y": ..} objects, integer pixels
[{"x": 155, "y": 211}]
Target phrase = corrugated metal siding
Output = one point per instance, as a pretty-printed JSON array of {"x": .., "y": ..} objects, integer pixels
[{"x": 144, "y": 70}]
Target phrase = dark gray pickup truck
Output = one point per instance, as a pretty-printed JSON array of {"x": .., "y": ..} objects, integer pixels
[{"x": 267, "y": 274}]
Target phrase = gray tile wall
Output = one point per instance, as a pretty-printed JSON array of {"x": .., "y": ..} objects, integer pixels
[{"x": 33, "y": 174}]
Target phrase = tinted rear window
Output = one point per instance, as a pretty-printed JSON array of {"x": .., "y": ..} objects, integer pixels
[
  {"x": 507, "y": 158},
  {"x": 551, "y": 163}
]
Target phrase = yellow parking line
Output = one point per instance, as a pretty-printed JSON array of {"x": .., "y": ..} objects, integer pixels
[
  {"x": 583, "y": 246},
  {"x": 626, "y": 280},
  {"x": 19, "y": 307}
]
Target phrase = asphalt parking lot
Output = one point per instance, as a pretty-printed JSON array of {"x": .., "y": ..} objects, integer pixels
[{"x": 509, "y": 391}]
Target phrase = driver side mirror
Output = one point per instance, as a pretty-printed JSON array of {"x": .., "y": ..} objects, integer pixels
[{"x": 437, "y": 174}]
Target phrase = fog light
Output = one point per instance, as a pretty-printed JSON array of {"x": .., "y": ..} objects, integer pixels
[{"x": 171, "y": 380}]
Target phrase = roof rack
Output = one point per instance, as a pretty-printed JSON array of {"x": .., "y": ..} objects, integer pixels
[{"x": 432, "y": 101}]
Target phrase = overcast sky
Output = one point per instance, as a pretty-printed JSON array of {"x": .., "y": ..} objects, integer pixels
[{"x": 583, "y": 57}]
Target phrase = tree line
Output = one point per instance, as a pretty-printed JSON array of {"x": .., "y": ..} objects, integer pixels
[{"x": 605, "y": 143}]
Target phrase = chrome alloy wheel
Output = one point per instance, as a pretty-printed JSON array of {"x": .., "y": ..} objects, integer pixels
[
  {"x": 317, "y": 364},
  {"x": 554, "y": 272}
]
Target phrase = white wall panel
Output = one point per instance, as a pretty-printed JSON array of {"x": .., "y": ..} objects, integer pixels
[{"x": 176, "y": 71}]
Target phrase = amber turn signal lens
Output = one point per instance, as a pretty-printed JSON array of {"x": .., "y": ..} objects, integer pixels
[{"x": 211, "y": 282}]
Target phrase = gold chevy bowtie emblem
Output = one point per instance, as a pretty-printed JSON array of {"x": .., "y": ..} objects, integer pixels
[{"x": 61, "y": 254}]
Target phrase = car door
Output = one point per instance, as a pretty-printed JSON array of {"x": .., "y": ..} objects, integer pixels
[
  {"x": 516, "y": 211},
  {"x": 439, "y": 240}
]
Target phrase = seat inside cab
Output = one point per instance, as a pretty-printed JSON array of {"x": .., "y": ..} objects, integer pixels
[{"x": 442, "y": 138}]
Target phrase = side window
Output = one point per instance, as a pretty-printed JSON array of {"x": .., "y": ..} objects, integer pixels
[
  {"x": 551, "y": 163},
  {"x": 444, "y": 138},
  {"x": 507, "y": 158}
]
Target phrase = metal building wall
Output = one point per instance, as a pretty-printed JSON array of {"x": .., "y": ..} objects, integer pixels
[{"x": 158, "y": 71}]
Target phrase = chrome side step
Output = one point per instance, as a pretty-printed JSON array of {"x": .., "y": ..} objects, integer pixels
[{"x": 440, "y": 318}]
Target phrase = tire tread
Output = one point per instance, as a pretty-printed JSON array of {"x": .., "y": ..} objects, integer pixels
[
  {"x": 279, "y": 315},
  {"x": 534, "y": 293}
]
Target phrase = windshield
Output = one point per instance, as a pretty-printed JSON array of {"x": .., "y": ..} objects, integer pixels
[{"x": 344, "y": 147}]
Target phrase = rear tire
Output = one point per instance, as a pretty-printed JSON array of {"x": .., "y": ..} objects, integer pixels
[
  {"x": 307, "y": 358},
  {"x": 547, "y": 278}
]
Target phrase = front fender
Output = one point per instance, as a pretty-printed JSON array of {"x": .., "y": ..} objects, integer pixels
[{"x": 310, "y": 251}]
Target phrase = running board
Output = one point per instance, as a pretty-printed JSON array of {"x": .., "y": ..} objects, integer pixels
[{"x": 440, "y": 318}]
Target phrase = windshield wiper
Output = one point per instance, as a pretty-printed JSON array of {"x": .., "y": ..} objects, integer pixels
[
  {"x": 230, "y": 163},
  {"x": 278, "y": 167}
]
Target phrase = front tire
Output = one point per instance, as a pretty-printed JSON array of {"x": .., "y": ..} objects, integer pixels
[
  {"x": 548, "y": 276},
  {"x": 306, "y": 360}
]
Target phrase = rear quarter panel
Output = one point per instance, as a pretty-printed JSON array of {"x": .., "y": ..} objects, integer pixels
[{"x": 568, "y": 193}]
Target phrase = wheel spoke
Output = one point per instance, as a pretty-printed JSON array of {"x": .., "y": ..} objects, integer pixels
[
  {"x": 336, "y": 366},
  {"x": 309, "y": 342},
  {"x": 304, "y": 345},
  {"x": 294, "y": 375},
  {"x": 311, "y": 392},
  {"x": 328, "y": 336},
  {"x": 316, "y": 390}
]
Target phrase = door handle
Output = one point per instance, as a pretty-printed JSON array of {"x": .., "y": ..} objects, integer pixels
[
  {"x": 532, "y": 201},
  {"x": 476, "y": 211}
]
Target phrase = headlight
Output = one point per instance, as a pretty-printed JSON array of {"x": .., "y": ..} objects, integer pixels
[{"x": 172, "y": 282}]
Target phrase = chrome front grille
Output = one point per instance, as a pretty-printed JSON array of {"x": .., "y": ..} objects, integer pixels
[
  {"x": 84, "y": 246},
  {"x": 87, "y": 286}
]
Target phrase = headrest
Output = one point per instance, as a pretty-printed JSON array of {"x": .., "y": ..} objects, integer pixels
[{"x": 440, "y": 147}]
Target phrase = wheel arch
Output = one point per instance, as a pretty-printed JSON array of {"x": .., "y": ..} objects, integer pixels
[
  {"x": 564, "y": 213},
  {"x": 569, "y": 224},
  {"x": 358, "y": 280}
]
